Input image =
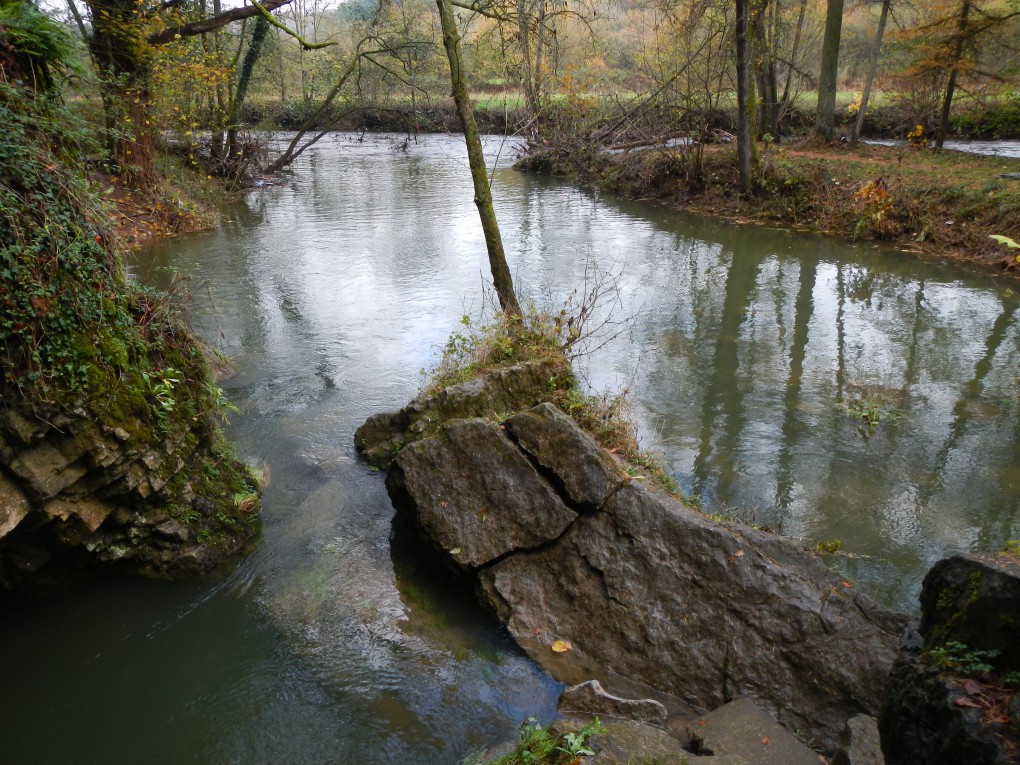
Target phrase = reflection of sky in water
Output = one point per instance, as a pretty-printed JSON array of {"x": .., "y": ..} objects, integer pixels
[{"x": 750, "y": 357}]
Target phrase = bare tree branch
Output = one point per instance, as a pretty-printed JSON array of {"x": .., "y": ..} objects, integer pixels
[{"x": 214, "y": 23}]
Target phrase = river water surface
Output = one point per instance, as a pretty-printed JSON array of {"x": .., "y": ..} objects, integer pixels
[{"x": 836, "y": 393}]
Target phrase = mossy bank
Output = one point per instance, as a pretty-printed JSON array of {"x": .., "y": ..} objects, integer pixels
[{"x": 111, "y": 452}]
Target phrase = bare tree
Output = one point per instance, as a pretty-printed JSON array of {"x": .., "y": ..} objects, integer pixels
[{"x": 501, "y": 278}]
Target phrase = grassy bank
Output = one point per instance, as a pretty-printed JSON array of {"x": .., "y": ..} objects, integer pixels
[{"x": 937, "y": 204}]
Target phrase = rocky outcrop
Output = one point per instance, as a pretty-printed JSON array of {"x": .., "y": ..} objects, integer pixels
[
  {"x": 952, "y": 695},
  {"x": 504, "y": 390},
  {"x": 110, "y": 451},
  {"x": 75, "y": 492},
  {"x": 641, "y": 589}
]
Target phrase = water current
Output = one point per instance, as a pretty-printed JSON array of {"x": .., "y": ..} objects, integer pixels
[{"x": 839, "y": 394}]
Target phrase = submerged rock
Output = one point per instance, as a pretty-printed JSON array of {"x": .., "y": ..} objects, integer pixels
[{"x": 641, "y": 588}]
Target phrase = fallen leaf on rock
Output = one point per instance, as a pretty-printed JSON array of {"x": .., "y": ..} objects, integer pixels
[
  {"x": 972, "y": 687},
  {"x": 765, "y": 741},
  {"x": 562, "y": 646},
  {"x": 455, "y": 551},
  {"x": 738, "y": 554}
]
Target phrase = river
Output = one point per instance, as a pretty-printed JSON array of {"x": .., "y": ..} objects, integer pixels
[{"x": 753, "y": 361}]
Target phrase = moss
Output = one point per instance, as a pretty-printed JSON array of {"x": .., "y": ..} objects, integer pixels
[
  {"x": 474, "y": 352},
  {"x": 957, "y": 601}
]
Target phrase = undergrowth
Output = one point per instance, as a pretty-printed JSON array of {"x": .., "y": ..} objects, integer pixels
[
  {"x": 540, "y": 745},
  {"x": 477, "y": 349}
]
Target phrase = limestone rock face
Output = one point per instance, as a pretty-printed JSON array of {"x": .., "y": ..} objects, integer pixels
[
  {"x": 644, "y": 588},
  {"x": 75, "y": 492},
  {"x": 939, "y": 712}
]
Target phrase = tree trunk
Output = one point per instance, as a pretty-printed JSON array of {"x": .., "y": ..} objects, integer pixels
[
  {"x": 765, "y": 72},
  {"x": 527, "y": 77},
  {"x": 957, "y": 57},
  {"x": 869, "y": 78},
  {"x": 825, "y": 116},
  {"x": 122, "y": 58},
  {"x": 785, "y": 100},
  {"x": 745, "y": 99},
  {"x": 501, "y": 278},
  {"x": 251, "y": 56}
]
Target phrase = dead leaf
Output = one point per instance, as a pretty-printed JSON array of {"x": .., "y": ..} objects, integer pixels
[
  {"x": 765, "y": 741},
  {"x": 738, "y": 554},
  {"x": 972, "y": 687},
  {"x": 455, "y": 551},
  {"x": 562, "y": 646}
]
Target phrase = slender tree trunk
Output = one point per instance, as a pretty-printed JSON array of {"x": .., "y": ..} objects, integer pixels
[
  {"x": 251, "y": 56},
  {"x": 957, "y": 58},
  {"x": 540, "y": 46},
  {"x": 501, "y": 278},
  {"x": 745, "y": 99},
  {"x": 825, "y": 116},
  {"x": 527, "y": 76},
  {"x": 793, "y": 53},
  {"x": 765, "y": 72},
  {"x": 869, "y": 78}
]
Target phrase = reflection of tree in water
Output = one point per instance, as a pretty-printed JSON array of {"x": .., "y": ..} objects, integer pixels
[{"x": 723, "y": 396}]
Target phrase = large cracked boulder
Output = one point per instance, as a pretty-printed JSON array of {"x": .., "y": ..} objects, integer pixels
[
  {"x": 645, "y": 590},
  {"x": 464, "y": 512}
]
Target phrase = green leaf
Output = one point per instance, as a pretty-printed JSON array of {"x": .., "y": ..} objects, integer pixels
[{"x": 1004, "y": 240}]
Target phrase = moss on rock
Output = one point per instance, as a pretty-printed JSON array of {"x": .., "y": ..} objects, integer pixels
[{"x": 109, "y": 418}]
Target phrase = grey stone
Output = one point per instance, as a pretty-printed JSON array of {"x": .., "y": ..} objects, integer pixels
[
  {"x": 859, "y": 744},
  {"x": 13, "y": 506},
  {"x": 921, "y": 724},
  {"x": 498, "y": 393},
  {"x": 975, "y": 600},
  {"x": 627, "y": 741},
  {"x": 92, "y": 512},
  {"x": 553, "y": 440},
  {"x": 742, "y": 729},
  {"x": 46, "y": 469},
  {"x": 475, "y": 495},
  {"x": 658, "y": 593},
  {"x": 173, "y": 529},
  {"x": 928, "y": 717},
  {"x": 590, "y": 698}
]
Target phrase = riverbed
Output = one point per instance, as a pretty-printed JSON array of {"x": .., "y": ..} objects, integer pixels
[{"x": 842, "y": 395}]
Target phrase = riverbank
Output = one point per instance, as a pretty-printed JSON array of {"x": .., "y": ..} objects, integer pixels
[
  {"x": 939, "y": 205},
  {"x": 186, "y": 200}
]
